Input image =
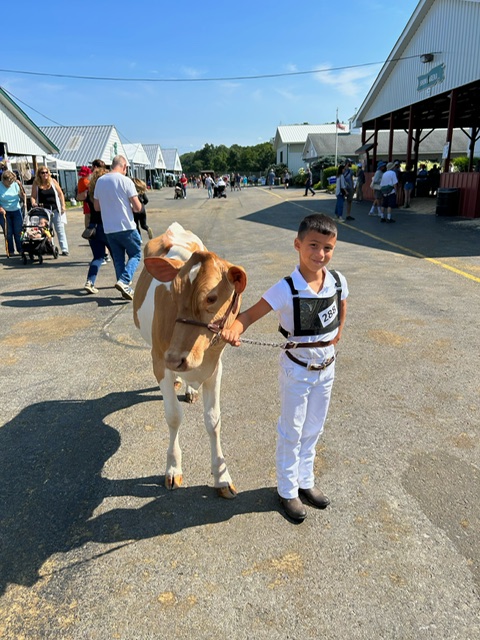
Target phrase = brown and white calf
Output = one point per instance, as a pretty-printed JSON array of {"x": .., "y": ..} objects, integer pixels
[{"x": 182, "y": 281}]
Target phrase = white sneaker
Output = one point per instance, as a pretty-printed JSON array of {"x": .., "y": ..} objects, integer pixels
[
  {"x": 90, "y": 288},
  {"x": 126, "y": 291}
]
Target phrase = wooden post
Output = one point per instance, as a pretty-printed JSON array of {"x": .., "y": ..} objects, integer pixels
[
  {"x": 410, "y": 136},
  {"x": 390, "y": 140},
  {"x": 451, "y": 124}
]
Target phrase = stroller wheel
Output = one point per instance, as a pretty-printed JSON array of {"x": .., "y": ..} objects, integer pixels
[{"x": 55, "y": 253}]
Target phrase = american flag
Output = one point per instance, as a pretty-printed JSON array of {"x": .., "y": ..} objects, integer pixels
[{"x": 340, "y": 125}]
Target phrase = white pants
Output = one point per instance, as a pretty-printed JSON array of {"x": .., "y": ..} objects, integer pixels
[{"x": 304, "y": 396}]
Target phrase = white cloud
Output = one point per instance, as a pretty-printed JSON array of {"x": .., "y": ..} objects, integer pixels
[
  {"x": 288, "y": 95},
  {"x": 350, "y": 82},
  {"x": 191, "y": 72}
]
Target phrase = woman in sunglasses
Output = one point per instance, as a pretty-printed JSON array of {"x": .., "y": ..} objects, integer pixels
[{"x": 46, "y": 193}]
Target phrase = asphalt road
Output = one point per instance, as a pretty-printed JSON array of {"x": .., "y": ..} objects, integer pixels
[{"x": 92, "y": 546}]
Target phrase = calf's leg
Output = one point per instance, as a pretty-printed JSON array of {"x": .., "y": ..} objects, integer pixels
[
  {"x": 173, "y": 416},
  {"x": 211, "y": 411}
]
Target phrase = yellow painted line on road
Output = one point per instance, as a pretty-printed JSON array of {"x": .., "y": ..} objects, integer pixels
[{"x": 434, "y": 261}]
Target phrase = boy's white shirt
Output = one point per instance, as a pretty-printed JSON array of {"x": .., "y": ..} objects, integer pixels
[{"x": 280, "y": 298}]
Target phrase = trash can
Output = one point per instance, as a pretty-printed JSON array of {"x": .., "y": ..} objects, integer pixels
[{"x": 448, "y": 201}]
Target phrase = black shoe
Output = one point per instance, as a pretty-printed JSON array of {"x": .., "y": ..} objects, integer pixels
[
  {"x": 349, "y": 218},
  {"x": 294, "y": 508},
  {"x": 315, "y": 497},
  {"x": 64, "y": 253},
  {"x": 390, "y": 220},
  {"x": 382, "y": 220}
]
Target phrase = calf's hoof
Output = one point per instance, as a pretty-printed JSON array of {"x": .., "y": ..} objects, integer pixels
[
  {"x": 229, "y": 492},
  {"x": 173, "y": 482},
  {"x": 191, "y": 396}
]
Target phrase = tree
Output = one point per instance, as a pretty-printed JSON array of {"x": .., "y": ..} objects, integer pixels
[{"x": 246, "y": 160}]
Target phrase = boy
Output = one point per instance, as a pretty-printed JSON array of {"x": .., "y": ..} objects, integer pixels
[{"x": 312, "y": 307}]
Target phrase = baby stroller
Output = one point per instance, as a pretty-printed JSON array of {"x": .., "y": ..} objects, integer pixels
[
  {"x": 178, "y": 191},
  {"x": 37, "y": 235},
  {"x": 219, "y": 191}
]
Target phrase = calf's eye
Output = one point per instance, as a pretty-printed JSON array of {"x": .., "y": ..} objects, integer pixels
[{"x": 212, "y": 299}]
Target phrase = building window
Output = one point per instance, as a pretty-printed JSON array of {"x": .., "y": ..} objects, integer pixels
[{"x": 281, "y": 157}]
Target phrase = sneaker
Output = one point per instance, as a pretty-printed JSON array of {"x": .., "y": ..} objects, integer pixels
[
  {"x": 390, "y": 220},
  {"x": 104, "y": 261},
  {"x": 349, "y": 218},
  {"x": 150, "y": 233},
  {"x": 89, "y": 287},
  {"x": 382, "y": 220},
  {"x": 126, "y": 291},
  {"x": 372, "y": 213},
  {"x": 65, "y": 253},
  {"x": 107, "y": 258}
]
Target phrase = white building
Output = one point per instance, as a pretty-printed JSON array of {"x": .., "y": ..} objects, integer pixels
[
  {"x": 137, "y": 159},
  {"x": 290, "y": 141},
  {"x": 20, "y": 136},
  {"x": 156, "y": 168},
  {"x": 83, "y": 144},
  {"x": 431, "y": 81}
]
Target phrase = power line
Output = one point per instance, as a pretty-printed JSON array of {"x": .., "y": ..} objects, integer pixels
[
  {"x": 29, "y": 107},
  {"x": 222, "y": 79}
]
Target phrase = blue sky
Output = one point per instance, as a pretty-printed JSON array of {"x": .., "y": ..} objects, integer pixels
[{"x": 191, "y": 41}]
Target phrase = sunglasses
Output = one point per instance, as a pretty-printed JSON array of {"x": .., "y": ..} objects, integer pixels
[{"x": 44, "y": 172}]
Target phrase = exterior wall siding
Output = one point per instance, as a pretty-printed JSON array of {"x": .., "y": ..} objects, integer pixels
[
  {"x": 451, "y": 27},
  {"x": 19, "y": 140}
]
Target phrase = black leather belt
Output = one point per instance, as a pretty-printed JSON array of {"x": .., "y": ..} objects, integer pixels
[{"x": 311, "y": 367}]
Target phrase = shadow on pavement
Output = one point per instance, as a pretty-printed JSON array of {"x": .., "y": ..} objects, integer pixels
[
  {"x": 51, "y": 459},
  {"x": 429, "y": 235},
  {"x": 54, "y": 297}
]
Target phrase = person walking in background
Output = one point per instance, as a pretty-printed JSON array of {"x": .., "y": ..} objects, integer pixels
[
  {"x": 82, "y": 192},
  {"x": 96, "y": 238},
  {"x": 12, "y": 199},
  {"x": 209, "y": 185},
  {"x": 360, "y": 183},
  {"x": 46, "y": 193},
  {"x": 286, "y": 180},
  {"x": 271, "y": 178},
  {"x": 183, "y": 181},
  {"x": 141, "y": 217},
  {"x": 408, "y": 177},
  {"x": 308, "y": 182},
  {"x": 377, "y": 194},
  {"x": 116, "y": 197},
  {"x": 340, "y": 192},
  {"x": 388, "y": 187},
  {"x": 348, "y": 176}
]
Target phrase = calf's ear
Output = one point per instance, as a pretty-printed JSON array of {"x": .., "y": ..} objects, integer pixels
[
  {"x": 162, "y": 269},
  {"x": 238, "y": 278}
]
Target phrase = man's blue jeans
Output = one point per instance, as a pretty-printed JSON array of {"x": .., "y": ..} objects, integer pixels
[
  {"x": 14, "y": 227},
  {"x": 125, "y": 242}
]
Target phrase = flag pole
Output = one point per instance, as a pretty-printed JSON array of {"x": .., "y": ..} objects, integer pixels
[{"x": 336, "y": 138}]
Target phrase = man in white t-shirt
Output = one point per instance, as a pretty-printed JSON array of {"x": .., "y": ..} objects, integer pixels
[
  {"x": 388, "y": 187},
  {"x": 116, "y": 197}
]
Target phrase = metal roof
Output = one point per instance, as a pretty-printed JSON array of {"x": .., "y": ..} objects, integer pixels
[
  {"x": 297, "y": 133},
  {"x": 155, "y": 157},
  {"x": 349, "y": 145},
  {"x": 172, "y": 160},
  {"x": 83, "y": 144},
  {"x": 136, "y": 154}
]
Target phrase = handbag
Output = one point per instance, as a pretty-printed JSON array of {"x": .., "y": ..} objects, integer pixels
[{"x": 89, "y": 232}]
